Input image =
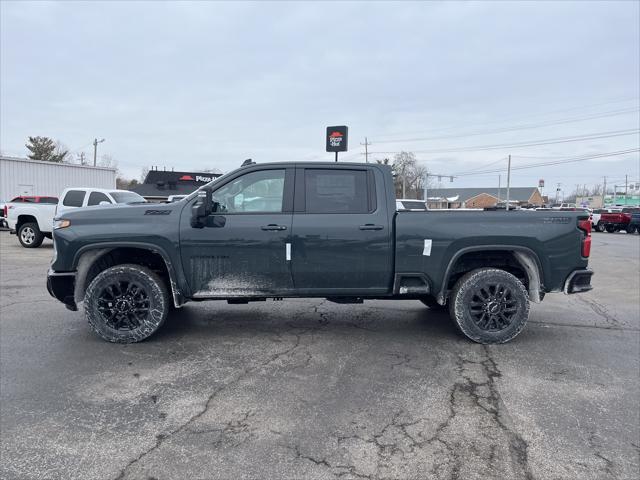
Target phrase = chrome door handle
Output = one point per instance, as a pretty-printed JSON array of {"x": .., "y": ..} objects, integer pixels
[{"x": 273, "y": 226}]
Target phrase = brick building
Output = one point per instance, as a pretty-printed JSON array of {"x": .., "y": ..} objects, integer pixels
[{"x": 483, "y": 197}]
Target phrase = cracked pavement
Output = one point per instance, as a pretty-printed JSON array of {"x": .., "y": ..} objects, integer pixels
[{"x": 311, "y": 389}]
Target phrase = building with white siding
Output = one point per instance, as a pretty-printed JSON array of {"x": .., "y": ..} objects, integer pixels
[{"x": 21, "y": 176}]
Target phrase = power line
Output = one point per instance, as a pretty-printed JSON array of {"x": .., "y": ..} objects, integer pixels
[
  {"x": 513, "y": 118},
  {"x": 547, "y": 141},
  {"x": 515, "y": 127},
  {"x": 557, "y": 162},
  {"x": 488, "y": 164}
]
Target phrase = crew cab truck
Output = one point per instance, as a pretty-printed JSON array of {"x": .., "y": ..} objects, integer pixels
[
  {"x": 616, "y": 221},
  {"x": 327, "y": 230},
  {"x": 32, "y": 220}
]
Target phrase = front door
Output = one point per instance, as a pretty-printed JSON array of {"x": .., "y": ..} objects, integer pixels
[
  {"x": 242, "y": 252},
  {"x": 341, "y": 233}
]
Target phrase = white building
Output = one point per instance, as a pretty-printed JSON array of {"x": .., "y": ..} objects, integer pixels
[{"x": 21, "y": 176}]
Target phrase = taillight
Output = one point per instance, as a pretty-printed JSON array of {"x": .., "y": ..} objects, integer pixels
[{"x": 585, "y": 226}]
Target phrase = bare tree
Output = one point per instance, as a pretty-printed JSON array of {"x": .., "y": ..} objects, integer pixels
[{"x": 143, "y": 175}]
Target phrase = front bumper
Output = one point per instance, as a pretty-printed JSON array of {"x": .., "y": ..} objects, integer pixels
[
  {"x": 61, "y": 285},
  {"x": 578, "y": 281}
]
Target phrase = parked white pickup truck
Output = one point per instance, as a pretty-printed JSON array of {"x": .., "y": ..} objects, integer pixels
[{"x": 33, "y": 221}]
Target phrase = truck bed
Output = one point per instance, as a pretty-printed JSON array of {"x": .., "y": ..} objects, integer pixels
[{"x": 431, "y": 241}]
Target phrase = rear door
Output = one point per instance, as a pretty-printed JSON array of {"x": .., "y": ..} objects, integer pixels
[
  {"x": 341, "y": 232},
  {"x": 242, "y": 252},
  {"x": 72, "y": 199}
]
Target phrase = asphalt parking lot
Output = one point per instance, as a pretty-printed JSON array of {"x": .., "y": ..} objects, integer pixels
[{"x": 311, "y": 389}]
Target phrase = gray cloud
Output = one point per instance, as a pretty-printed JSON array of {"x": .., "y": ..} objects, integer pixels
[{"x": 198, "y": 85}]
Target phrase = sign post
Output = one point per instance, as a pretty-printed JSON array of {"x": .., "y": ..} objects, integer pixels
[{"x": 337, "y": 139}]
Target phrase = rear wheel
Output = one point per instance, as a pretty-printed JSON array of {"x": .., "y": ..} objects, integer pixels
[
  {"x": 489, "y": 305},
  {"x": 611, "y": 229},
  {"x": 631, "y": 229},
  {"x": 30, "y": 236},
  {"x": 126, "y": 303}
]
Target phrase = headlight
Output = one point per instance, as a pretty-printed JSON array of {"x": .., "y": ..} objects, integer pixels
[{"x": 60, "y": 224}]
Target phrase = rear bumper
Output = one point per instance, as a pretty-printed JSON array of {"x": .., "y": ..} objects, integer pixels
[
  {"x": 578, "y": 281},
  {"x": 62, "y": 286}
]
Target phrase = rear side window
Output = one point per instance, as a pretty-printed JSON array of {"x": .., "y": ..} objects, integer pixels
[
  {"x": 337, "y": 191},
  {"x": 73, "y": 198},
  {"x": 96, "y": 197}
]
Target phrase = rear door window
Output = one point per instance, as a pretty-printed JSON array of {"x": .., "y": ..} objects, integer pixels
[
  {"x": 338, "y": 191},
  {"x": 73, "y": 198},
  {"x": 96, "y": 197}
]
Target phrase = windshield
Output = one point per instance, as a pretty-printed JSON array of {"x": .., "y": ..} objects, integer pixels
[{"x": 126, "y": 197}]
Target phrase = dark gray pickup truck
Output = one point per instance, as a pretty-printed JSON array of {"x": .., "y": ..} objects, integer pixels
[{"x": 326, "y": 230}]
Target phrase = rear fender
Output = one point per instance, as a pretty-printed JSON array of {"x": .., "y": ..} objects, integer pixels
[{"x": 527, "y": 259}]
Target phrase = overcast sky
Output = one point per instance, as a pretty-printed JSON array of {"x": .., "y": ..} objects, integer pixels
[{"x": 207, "y": 85}]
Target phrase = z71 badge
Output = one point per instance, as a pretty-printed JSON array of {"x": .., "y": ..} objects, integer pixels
[{"x": 556, "y": 219}]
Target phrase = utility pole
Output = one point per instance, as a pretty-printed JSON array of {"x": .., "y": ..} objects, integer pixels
[
  {"x": 366, "y": 150},
  {"x": 558, "y": 192},
  {"x": 508, "y": 180},
  {"x": 626, "y": 184},
  {"x": 499, "y": 187},
  {"x": 426, "y": 190},
  {"x": 604, "y": 191},
  {"x": 95, "y": 149}
]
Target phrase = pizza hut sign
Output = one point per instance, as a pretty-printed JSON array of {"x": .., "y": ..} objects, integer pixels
[
  {"x": 196, "y": 178},
  {"x": 337, "y": 138}
]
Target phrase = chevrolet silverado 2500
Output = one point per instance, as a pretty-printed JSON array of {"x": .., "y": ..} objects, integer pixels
[{"x": 328, "y": 230}]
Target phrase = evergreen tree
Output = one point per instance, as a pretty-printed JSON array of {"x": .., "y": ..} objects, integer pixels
[{"x": 45, "y": 149}]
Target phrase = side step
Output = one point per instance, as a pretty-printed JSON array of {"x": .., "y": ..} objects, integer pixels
[{"x": 345, "y": 300}]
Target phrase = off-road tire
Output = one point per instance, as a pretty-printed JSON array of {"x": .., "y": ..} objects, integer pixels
[
  {"x": 611, "y": 229},
  {"x": 154, "y": 299},
  {"x": 29, "y": 235},
  {"x": 630, "y": 229},
  {"x": 432, "y": 303},
  {"x": 600, "y": 227},
  {"x": 461, "y": 303}
]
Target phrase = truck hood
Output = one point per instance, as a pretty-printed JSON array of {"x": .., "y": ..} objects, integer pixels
[{"x": 122, "y": 212}]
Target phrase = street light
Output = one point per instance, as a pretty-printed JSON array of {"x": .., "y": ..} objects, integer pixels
[{"x": 95, "y": 149}]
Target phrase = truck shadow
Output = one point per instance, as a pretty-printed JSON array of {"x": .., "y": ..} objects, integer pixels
[{"x": 219, "y": 320}]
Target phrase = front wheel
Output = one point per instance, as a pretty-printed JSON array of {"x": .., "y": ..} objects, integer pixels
[
  {"x": 489, "y": 305},
  {"x": 611, "y": 229},
  {"x": 126, "y": 303},
  {"x": 600, "y": 227},
  {"x": 30, "y": 236}
]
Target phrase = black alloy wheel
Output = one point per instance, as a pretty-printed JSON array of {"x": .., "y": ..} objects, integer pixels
[
  {"x": 493, "y": 307},
  {"x": 489, "y": 305},
  {"x": 126, "y": 303}
]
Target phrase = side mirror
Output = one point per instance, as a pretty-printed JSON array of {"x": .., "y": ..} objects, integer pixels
[
  {"x": 201, "y": 209},
  {"x": 104, "y": 202}
]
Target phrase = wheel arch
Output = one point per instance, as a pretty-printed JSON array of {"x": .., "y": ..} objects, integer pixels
[
  {"x": 527, "y": 261},
  {"x": 91, "y": 259},
  {"x": 25, "y": 218}
]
